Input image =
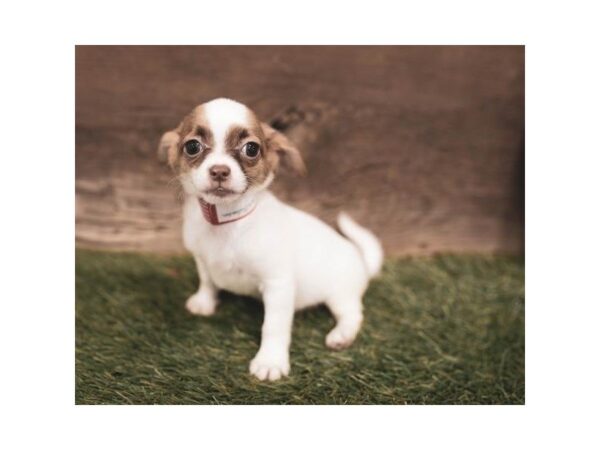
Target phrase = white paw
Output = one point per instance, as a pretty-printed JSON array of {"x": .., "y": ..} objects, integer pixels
[
  {"x": 201, "y": 304},
  {"x": 266, "y": 366},
  {"x": 338, "y": 340}
]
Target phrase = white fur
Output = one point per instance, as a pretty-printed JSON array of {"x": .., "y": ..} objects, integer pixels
[
  {"x": 201, "y": 179},
  {"x": 221, "y": 114},
  {"x": 285, "y": 256}
]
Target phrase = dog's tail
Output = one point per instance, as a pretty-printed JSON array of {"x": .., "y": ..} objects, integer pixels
[{"x": 366, "y": 242}]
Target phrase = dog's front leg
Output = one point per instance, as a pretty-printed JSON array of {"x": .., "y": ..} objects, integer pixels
[
  {"x": 272, "y": 360},
  {"x": 204, "y": 302}
]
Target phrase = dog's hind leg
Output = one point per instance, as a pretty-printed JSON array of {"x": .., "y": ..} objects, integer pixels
[{"x": 348, "y": 315}]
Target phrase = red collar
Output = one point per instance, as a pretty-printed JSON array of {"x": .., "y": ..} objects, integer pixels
[{"x": 222, "y": 214}]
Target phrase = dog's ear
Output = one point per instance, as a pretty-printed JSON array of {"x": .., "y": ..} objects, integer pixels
[
  {"x": 167, "y": 148},
  {"x": 286, "y": 151}
]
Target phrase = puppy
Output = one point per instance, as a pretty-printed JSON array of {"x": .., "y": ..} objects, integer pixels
[{"x": 248, "y": 242}]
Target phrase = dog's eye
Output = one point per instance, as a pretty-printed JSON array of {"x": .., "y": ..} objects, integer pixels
[
  {"x": 192, "y": 147},
  {"x": 251, "y": 149}
]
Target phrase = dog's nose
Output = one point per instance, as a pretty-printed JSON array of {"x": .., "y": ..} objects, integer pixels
[{"x": 219, "y": 172}]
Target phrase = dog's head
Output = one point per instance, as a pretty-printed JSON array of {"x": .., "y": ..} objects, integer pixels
[{"x": 221, "y": 151}]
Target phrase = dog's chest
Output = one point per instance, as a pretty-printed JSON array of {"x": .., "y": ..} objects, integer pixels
[
  {"x": 228, "y": 271},
  {"x": 225, "y": 254}
]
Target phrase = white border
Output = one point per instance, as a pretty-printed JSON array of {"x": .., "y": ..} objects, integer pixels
[{"x": 37, "y": 229}]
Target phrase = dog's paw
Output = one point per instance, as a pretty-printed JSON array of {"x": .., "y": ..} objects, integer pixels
[
  {"x": 337, "y": 339},
  {"x": 270, "y": 367},
  {"x": 201, "y": 304}
]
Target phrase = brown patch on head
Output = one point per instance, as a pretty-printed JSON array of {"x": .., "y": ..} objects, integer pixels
[
  {"x": 193, "y": 126},
  {"x": 235, "y": 136},
  {"x": 255, "y": 169}
]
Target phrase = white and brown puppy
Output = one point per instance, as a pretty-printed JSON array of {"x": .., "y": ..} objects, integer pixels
[{"x": 246, "y": 241}]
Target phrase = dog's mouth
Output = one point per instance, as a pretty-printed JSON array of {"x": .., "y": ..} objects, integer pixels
[{"x": 220, "y": 191}]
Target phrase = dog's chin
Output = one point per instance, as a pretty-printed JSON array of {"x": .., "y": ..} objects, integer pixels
[{"x": 220, "y": 195}]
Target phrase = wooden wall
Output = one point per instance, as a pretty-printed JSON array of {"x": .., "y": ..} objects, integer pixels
[{"x": 424, "y": 145}]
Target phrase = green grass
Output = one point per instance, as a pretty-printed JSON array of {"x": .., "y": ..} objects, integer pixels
[{"x": 441, "y": 330}]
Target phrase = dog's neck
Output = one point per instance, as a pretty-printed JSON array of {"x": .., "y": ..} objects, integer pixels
[{"x": 221, "y": 214}]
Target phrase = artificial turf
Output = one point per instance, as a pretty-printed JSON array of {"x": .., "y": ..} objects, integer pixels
[{"x": 439, "y": 330}]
